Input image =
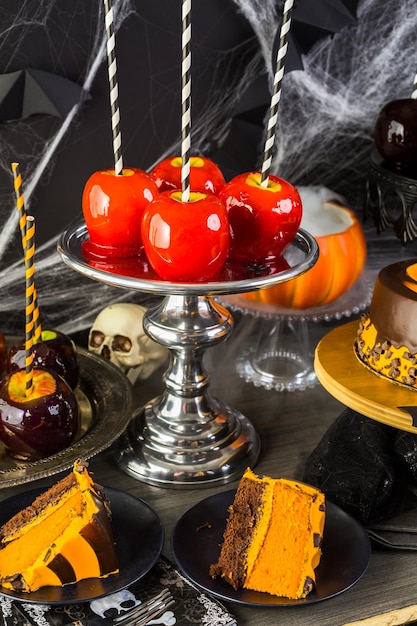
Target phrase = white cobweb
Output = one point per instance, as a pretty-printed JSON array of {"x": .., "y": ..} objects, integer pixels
[{"x": 324, "y": 136}]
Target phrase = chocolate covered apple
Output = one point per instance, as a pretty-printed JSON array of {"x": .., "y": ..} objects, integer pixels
[
  {"x": 36, "y": 425},
  {"x": 54, "y": 351},
  {"x": 396, "y": 133},
  {"x": 186, "y": 241},
  {"x": 263, "y": 220},
  {"x": 112, "y": 208},
  {"x": 205, "y": 175}
]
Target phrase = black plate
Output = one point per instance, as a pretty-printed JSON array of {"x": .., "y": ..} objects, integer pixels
[
  {"x": 198, "y": 534},
  {"x": 139, "y": 537}
]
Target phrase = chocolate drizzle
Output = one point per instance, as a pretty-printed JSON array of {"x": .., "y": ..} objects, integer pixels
[{"x": 63, "y": 569}]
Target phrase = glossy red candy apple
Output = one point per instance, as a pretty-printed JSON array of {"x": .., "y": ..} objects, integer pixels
[
  {"x": 205, "y": 175},
  {"x": 186, "y": 241},
  {"x": 263, "y": 220},
  {"x": 54, "y": 350},
  {"x": 396, "y": 133},
  {"x": 42, "y": 424},
  {"x": 112, "y": 208}
]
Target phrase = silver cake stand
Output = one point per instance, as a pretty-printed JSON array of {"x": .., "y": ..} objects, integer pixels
[{"x": 185, "y": 437}]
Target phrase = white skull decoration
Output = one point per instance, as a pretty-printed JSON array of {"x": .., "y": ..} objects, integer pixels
[
  {"x": 117, "y": 335},
  {"x": 121, "y": 601}
]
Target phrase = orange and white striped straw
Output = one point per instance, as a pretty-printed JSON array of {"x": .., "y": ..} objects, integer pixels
[
  {"x": 29, "y": 308},
  {"x": 20, "y": 203}
]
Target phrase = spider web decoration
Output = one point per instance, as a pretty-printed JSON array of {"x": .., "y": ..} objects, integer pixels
[
  {"x": 57, "y": 156},
  {"x": 324, "y": 134},
  {"x": 329, "y": 110}
]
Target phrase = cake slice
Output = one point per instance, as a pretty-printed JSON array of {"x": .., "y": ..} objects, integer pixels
[
  {"x": 273, "y": 536},
  {"x": 64, "y": 536}
]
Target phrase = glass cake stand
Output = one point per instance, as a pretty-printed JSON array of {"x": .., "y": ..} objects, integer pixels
[
  {"x": 282, "y": 357},
  {"x": 185, "y": 437}
]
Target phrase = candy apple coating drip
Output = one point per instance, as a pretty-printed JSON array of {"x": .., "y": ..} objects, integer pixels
[
  {"x": 42, "y": 424},
  {"x": 205, "y": 175},
  {"x": 53, "y": 351},
  {"x": 263, "y": 220},
  {"x": 396, "y": 133},
  {"x": 186, "y": 241},
  {"x": 113, "y": 207}
]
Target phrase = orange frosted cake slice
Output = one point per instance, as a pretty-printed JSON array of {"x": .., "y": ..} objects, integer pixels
[
  {"x": 64, "y": 536},
  {"x": 272, "y": 542}
]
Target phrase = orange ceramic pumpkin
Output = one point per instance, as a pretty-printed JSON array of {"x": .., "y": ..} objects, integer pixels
[{"x": 342, "y": 256}]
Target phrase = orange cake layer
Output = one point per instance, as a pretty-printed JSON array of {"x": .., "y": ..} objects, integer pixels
[
  {"x": 386, "y": 341},
  {"x": 273, "y": 536},
  {"x": 64, "y": 536}
]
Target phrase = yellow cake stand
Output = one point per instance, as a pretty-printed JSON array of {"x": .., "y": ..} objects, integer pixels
[{"x": 346, "y": 379}]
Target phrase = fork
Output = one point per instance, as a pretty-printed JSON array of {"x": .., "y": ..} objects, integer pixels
[{"x": 147, "y": 611}]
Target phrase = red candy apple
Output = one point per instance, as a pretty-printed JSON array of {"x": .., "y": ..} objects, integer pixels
[
  {"x": 263, "y": 220},
  {"x": 113, "y": 207},
  {"x": 396, "y": 133},
  {"x": 41, "y": 424},
  {"x": 205, "y": 175},
  {"x": 186, "y": 241}
]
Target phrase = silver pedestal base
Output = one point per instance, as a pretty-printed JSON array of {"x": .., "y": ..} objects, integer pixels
[
  {"x": 185, "y": 437},
  {"x": 216, "y": 457}
]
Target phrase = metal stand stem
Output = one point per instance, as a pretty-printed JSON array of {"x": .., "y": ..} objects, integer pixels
[{"x": 185, "y": 437}]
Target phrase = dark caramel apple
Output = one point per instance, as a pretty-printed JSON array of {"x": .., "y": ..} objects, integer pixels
[
  {"x": 45, "y": 422},
  {"x": 396, "y": 133},
  {"x": 54, "y": 351}
]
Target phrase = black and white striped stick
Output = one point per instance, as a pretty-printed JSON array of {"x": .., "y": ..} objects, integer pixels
[
  {"x": 276, "y": 92},
  {"x": 114, "y": 89},
  {"x": 186, "y": 100}
]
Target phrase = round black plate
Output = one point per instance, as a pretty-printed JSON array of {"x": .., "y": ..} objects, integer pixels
[
  {"x": 139, "y": 537},
  {"x": 198, "y": 534}
]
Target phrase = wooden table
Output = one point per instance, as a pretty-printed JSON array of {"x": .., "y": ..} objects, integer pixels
[{"x": 290, "y": 424}]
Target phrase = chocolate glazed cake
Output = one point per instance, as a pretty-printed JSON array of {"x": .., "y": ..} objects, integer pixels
[{"x": 387, "y": 336}]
